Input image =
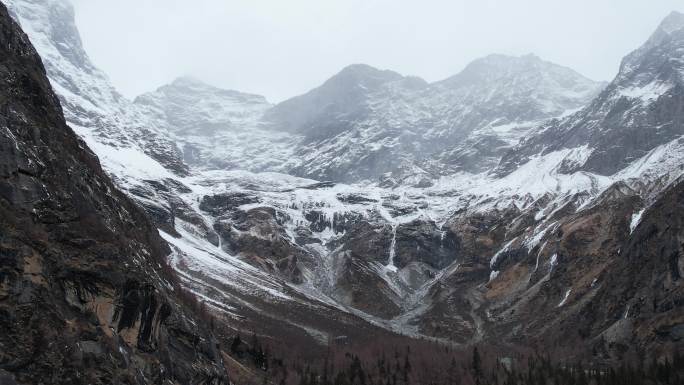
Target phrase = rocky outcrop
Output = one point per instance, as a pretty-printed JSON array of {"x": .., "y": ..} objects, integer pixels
[
  {"x": 85, "y": 297},
  {"x": 421, "y": 241},
  {"x": 226, "y": 203},
  {"x": 358, "y": 284},
  {"x": 649, "y": 275},
  {"x": 162, "y": 202},
  {"x": 367, "y": 240},
  {"x": 257, "y": 234}
]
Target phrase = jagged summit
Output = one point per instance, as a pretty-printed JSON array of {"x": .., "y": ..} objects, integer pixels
[
  {"x": 331, "y": 108},
  {"x": 672, "y": 22},
  {"x": 364, "y": 75},
  {"x": 188, "y": 105},
  {"x": 92, "y": 105},
  {"x": 659, "y": 59},
  {"x": 668, "y": 29},
  {"x": 213, "y": 127},
  {"x": 65, "y": 35}
]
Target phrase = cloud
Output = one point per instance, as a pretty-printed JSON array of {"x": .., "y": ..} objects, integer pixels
[{"x": 283, "y": 48}]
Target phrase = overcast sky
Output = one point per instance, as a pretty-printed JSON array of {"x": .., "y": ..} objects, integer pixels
[{"x": 281, "y": 48}]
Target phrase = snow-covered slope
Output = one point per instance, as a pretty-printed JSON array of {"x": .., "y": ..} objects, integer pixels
[
  {"x": 216, "y": 128},
  {"x": 92, "y": 106}
]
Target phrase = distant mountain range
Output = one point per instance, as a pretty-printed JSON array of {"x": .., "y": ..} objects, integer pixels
[{"x": 368, "y": 124}]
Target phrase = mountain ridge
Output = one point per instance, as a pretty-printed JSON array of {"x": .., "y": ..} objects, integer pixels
[{"x": 393, "y": 124}]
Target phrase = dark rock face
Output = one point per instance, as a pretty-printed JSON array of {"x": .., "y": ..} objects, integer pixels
[
  {"x": 338, "y": 223},
  {"x": 590, "y": 285},
  {"x": 479, "y": 236},
  {"x": 318, "y": 220},
  {"x": 257, "y": 235},
  {"x": 644, "y": 288},
  {"x": 367, "y": 241},
  {"x": 84, "y": 298},
  {"x": 421, "y": 241},
  {"x": 354, "y": 198},
  {"x": 162, "y": 202},
  {"x": 227, "y": 202},
  {"x": 359, "y": 285}
]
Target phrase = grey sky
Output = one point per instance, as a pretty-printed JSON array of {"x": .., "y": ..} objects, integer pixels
[{"x": 281, "y": 48}]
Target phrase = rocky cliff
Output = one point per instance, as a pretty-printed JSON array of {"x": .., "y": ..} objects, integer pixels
[{"x": 86, "y": 296}]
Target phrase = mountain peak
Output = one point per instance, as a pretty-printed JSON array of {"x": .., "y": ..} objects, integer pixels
[
  {"x": 502, "y": 58},
  {"x": 672, "y": 22},
  {"x": 495, "y": 67},
  {"x": 363, "y": 69},
  {"x": 667, "y": 29},
  {"x": 190, "y": 81},
  {"x": 359, "y": 67},
  {"x": 190, "y": 85},
  {"x": 500, "y": 62},
  {"x": 363, "y": 73}
]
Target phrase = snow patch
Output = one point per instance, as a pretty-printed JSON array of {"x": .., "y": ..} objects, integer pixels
[
  {"x": 392, "y": 251},
  {"x": 493, "y": 275},
  {"x": 636, "y": 218},
  {"x": 646, "y": 93},
  {"x": 565, "y": 298},
  {"x": 496, "y": 256},
  {"x": 554, "y": 262}
]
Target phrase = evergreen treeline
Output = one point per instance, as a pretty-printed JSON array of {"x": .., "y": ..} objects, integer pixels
[{"x": 428, "y": 364}]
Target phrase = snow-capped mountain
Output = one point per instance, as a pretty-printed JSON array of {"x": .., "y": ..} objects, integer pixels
[
  {"x": 502, "y": 97},
  {"x": 364, "y": 122},
  {"x": 368, "y": 124},
  {"x": 442, "y": 247},
  {"x": 639, "y": 111}
]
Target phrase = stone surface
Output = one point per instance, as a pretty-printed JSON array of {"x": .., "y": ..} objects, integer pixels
[{"x": 84, "y": 294}]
